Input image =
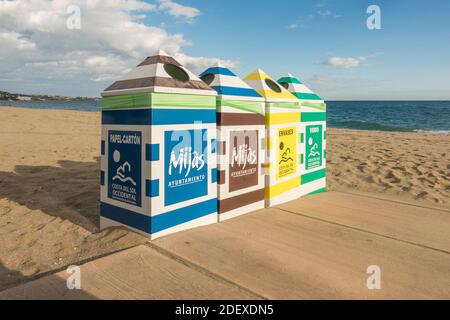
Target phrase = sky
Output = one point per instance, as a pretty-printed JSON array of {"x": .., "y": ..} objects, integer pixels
[{"x": 45, "y": 48}]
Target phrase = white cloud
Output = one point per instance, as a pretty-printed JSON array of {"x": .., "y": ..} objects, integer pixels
[
  {"x": 14, "y": 39},
  {"x": 340, "y": 62},
  {"x": 199, "y": 64},
  {"x": 179, "y": 11},
  {"x": 324, "y": 13},
  {"x": 328, "y": 13},
  {"x": 295, "y": 26},
  {"x": 37, "y": 48}
]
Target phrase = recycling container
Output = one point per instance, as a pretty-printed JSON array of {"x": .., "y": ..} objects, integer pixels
[
  {"x": 158, "y": 162},
  {"x": 313, "y": 136},
  {"x": 240, "y": 140},
  {"x": 283, "y": 139}
]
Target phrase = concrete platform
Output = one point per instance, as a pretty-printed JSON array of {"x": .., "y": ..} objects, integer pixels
[
  {"x": 315, "y": 248},
  {"x": 136, "y": 273}
]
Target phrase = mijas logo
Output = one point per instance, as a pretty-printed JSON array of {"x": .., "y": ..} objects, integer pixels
[
  {"x": 243, "y": 155},
  {"x": 185, "y": 161}
]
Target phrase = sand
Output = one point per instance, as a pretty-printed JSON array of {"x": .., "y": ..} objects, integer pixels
[
  {"x": 49, "y": 184},
  {"x": 410, "y": 166},
  {"x": 49, "y": 193}
]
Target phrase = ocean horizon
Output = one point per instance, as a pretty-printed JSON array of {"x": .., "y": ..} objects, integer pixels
[{"x": 375, "y": 115}]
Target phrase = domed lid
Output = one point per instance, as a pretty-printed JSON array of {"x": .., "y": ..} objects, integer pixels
[{"x": 159, "y": 73}]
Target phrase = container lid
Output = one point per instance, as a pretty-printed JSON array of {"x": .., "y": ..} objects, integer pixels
[
  {"x": 229, "y": 85},
  {"x": 268, "y": 88},
  {"x": 159, "y": 73},
  {"x": 298, "y": 89}
]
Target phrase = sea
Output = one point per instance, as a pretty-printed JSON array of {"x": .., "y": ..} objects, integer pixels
[{"x": 404, "y": 116}]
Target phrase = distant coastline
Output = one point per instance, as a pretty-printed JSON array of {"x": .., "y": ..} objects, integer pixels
[{"x": 8, "y": 96}]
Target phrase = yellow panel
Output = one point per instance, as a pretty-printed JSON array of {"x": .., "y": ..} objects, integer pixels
[
  {"x": 272, "y": 94},
  {"x": 281, "y": 118},
  {"x": 282, "y": 187},
  {"x": 256, "y": 76},
  {"x": 269, "y": 143},
  {"x": 260, "y": 77},
  {"x": 287, "y": 152}
]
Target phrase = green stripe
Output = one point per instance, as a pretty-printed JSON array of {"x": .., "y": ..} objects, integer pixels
[
  {"x": 183, "y": 100},
  {"x": 319, "y": 174},
  {"x": 142, "y": 100},
  {"x": 317, "y": 191},
  {"x": 319, "y": 106},
  {"x": 136, "y": 100},
  {"x": 285, "y": 105},
  {"x": 313, "y": 116},
  {"x": 250, "y": 106},
  {"x": 307, "y": 96},
  {"x": 289, "y": 80}
]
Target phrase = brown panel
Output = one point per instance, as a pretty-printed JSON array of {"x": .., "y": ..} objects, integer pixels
[
  {"x": 157, "y": 82},
  {"x": 241, "y": 200},
  {"x": 172, "y": 83},
  {"x": 132, "y": 83},
  {"x": 243, "y": 159},
  {"x": 159, "y": 59},
  {"x": 233, "y": 119},
  {"x": 221, "y": 177}
]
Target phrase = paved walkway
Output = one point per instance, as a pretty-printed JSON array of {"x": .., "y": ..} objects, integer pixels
[{"x": 318, "y": 247}]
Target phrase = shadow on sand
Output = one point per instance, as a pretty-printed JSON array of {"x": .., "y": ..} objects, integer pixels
[{"x": 70, "y": 191}]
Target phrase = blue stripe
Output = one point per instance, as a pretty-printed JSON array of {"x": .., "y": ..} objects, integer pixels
[
  {"x": 234, "y": 91},
  {"x": 158, "y": 116},
  {"x": 182, "y": 116},
  {"x": 126, "y": 217},
  {"x": 213, "y": 146},
  {"x": 127, "y": 117},
  {"x": 213, "y": 175},
  {"x": 102, "y": 178},
  {"x": 160, "y": 222},
  {"x": 152, "y": 188},
  {"x": 218, "y": 70},
  {"x": 182, "y": 215},
  {"x": 102, "y": 148},
  {"x": 152, "y": 152}
]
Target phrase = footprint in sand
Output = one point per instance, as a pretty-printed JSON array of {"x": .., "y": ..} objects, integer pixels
[
  {"x": 369, "y": 179},
  {"x": 392, "y": 177},
  {"x": 361, "y": 167},
  {"x": 425, "y": 180},
  {"x": 421, "y": 195}
]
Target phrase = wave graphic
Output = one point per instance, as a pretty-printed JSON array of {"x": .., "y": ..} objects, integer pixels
[
  {"x": 120, "y": 173},
  {"x": 127, "y": 179}
]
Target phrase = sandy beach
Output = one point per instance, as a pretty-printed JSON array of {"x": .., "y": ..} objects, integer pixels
[
  {"x": 410, "y": 166},
  {"x": 49, "y": 184}
]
